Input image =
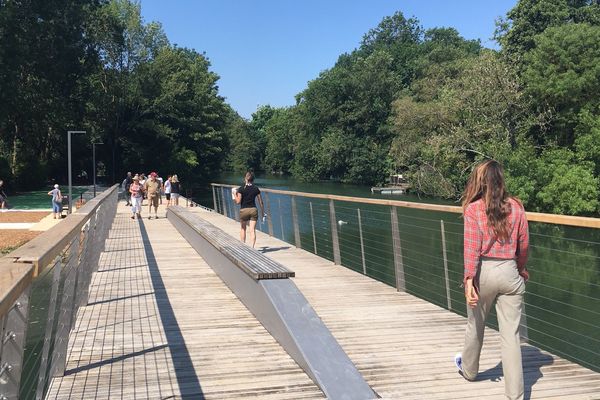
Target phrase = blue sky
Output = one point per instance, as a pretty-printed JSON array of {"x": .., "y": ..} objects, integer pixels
[{"x": 265, "y": 51}]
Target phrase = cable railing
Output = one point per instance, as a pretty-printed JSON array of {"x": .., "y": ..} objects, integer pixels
[
  {"x": 42, "y": 285},
  {"x": 418, "y": 248}
]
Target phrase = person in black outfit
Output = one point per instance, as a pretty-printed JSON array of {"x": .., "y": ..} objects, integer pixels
[
  {"x": 3, "y": 195},
  {"x": 126, "y": 184},
  {"x": 246, "y": 196},
  {"x": 175, "y": 190}
]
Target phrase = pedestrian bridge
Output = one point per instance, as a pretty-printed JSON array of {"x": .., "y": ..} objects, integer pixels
[{"x": 105, "y": 307}]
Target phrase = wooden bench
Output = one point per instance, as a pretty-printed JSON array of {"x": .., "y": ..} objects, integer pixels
[
  {"x": 260, "y": 283},
  {"x": 253, "y": 263}
]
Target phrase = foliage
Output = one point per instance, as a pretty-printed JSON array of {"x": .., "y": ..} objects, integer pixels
[
  {"x": 427, "y": 103},
  {"x": 563, "y": 72},
  {"x": 530, "y": 18},
  {"x": 95, "y": 65},
  {"x": 431, "y": 104}
]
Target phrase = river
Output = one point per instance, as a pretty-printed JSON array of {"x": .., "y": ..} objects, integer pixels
[{"x": 563, "y": 295}]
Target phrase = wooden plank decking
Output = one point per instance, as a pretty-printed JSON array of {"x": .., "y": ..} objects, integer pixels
[
  {"x": 160, "y": 324},
  {"x": 403, "y": 345}
]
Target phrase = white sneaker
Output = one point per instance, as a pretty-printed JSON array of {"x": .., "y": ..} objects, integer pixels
[{"x": 458, "y": 361}]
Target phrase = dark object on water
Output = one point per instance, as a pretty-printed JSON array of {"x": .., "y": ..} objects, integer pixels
[{"x": 396, "y": 185}]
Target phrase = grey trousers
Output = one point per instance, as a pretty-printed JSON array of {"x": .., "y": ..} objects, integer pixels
[{"x": 498, "y": 280}]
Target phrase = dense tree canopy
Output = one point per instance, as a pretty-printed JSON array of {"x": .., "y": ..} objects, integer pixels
[
  {"x": 94, "y": 65},
  {"x": 431, "y": 104},
  {"x": 426, "y": 103}
]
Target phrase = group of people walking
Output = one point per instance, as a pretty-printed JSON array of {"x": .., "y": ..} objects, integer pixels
[{"x": 139, "y": 187}]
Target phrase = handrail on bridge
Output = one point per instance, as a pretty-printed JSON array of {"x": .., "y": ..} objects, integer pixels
[
  {"x": 416, "y": 248},
  {"x": 42, "y": 285},
  {"x": 584, "y": 222}
]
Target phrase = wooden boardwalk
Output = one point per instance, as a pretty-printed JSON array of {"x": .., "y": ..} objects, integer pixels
[{"x": 160, "y": 324}]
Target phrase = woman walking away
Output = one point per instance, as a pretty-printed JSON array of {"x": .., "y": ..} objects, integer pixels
[
  {"x": 496, "y": 241},
  {"x": 168, "y": 190},
  {"x": 175, "y": 190},
  {"x": 137, "y": 193},
  {"x": 245, "y": 196},
  {"x": 56, "y": 201}
]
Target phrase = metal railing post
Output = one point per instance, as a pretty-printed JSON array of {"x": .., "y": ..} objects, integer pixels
[
  {"x": 66, "y": 317},
  {"x": 295, "y": 222},
  {"x": 337, "y": 259},
  {"x": 214, "y": 192},
  {"x": 362, "y": 245},
  {"x": 269, "y": 218},
  {"x": 228, "y": 203},
  {"x": 41, "y": 383},
  {"x": 448, "y": 298},
  {"x": 281, "y": 219},
  {"x": 86, "y": 267},
  {"x": 312, "y": 225},
  {"x": 218, "y": 204},
  {"x": 13, "y": 338},
  {"x": 223, "y": 202},
  {"x": 398, "y": 261},
  {"x": 234, "y": 209}
]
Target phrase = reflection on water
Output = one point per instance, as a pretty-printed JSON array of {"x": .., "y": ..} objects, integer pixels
[{"x": 563, "y": 295}]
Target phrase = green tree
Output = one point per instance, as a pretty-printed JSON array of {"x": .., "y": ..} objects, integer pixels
[
  {"x": 45, "y": 57},
  {"x": 563, "y": 72},
  {"x": 567, "y": 186},
  {"x": 530, "y": 18}
]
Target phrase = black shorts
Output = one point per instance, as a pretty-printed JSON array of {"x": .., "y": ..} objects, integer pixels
[{"x": 168, "y": 196}]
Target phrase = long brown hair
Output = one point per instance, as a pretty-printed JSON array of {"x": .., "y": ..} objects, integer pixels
[{"x": 487, "y": 183}]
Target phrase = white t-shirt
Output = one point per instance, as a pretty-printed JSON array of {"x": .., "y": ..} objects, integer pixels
[{"x": 168, "y": 186}]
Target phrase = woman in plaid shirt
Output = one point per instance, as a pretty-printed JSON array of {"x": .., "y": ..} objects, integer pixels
[{"x": 496, "y": 240}]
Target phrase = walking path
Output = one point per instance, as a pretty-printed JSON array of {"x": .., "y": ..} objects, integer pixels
[
  {"x": 161, "y": 324},
  {"x": 404, "y": 346}
]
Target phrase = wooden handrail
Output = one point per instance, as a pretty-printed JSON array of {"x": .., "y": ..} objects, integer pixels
[
  {"x": 41, "y": 250},
  {"x": 584, "y": 222},
  {"x": 14, "y": 279},
  {"x": 18, "y": 268}
]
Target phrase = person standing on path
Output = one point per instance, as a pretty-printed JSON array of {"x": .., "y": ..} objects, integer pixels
[
  {"x": 127, "y": 183},
  {"x": 152, "y": 189},
  {"x": 161, "y": 185},
  {"x": 3, "y": 196},
  {"x": 137, "y": 194},
  {"x": 142, "y": 183},
  {"x": 245, "y": 196},
  {"x": 175, "y": 190},
  {"x": 56, "y": 201},
  {"x": 496, "y": 243},
  {"x": 167, "y": 186}
]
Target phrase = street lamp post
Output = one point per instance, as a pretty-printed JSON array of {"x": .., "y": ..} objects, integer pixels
[
  {"x": 69, "y": 166},
  {"x": 94, "y": 162}
]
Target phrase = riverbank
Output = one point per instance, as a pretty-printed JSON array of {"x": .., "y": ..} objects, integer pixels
[{"x": 203, "y": 195}]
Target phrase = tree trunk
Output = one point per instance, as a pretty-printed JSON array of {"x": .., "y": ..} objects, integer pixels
[{"x": 13, "y": 166}]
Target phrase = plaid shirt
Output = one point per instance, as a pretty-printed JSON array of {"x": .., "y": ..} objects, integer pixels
[{"x": 479, "y": 240}]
